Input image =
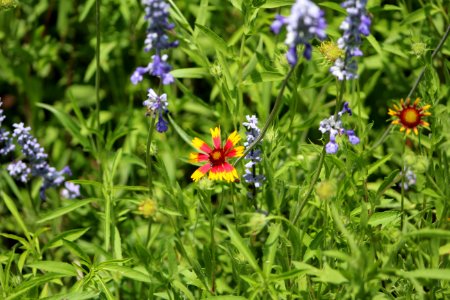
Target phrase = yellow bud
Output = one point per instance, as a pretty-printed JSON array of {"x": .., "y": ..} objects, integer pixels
[
  {"x": 330, "y": 51},
  {"x": 418, "y": 48},
  {"x": 148, "y": 208},
  {"x": 7, "y": 4},
  {"x": 326, "y": 189}
]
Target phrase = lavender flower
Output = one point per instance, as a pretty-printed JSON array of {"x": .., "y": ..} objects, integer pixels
[
  {"x": 34, "y": 163},
  {"x": 305, "y": 22},
  {"x": 334, "y": 127},
  {"x": 37, "y": 161},
  {"x": 254, "y": 156},
  {"x": 6, "y": 143},
  {"x": 156, "y": 106},
  {"x": 71, "y": 190},
  {"x": 157, "y": 14},
  {"x": 410, "y": 178},
  {"x": 356, "y": 23},
  {"x": 19, "y": 170}
]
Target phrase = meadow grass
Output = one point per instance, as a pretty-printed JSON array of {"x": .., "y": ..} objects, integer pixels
[{"x": 327, "y": 192}]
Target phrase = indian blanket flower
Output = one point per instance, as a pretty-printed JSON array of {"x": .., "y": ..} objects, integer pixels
[
  {"x": 356, "y": 23},
  {"x": 305, "y": 22},
  {"x": 334, "y": 127},
  {"x": 216, "y": 157},
  {"x": 409, "y": 116},
  {"x": 157, "y": 106},
  {"x": 157, "y": 40},
  {"x": 254, "y": 156}
]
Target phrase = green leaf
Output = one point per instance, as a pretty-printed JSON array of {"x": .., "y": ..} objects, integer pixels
[
  {"x": 333, "y": 6},
  {"x": 68, "y": 123},
  {"x": 214, "y": 39},
  {"x": 70, "y": 235},
  {"x": 327, "y": 274},
  {"x": 256, "y": 77},
  {"x": 277, "y": 3},
  {"x": 438, "y": 274},
  {"x": 375, "y": 44},
  {"x": 54, "y": 267},
  {"x": 430, "y": 233},
  {"x": 13, "y": 209},
  {"x": 65, "y": 210},
  {"x": 384, "y": 218},
  {"x": 190, "y": 73},
  {"x": 32, "y": 283},
  {"x": 270, "y": 248},
  {"x": 76, "y": 250},
  {"x": 181, "y": 132},
  {"x": 373, "y": 167},
  {"x": 128, "y": 272},
  {"x": 387, "y": 182},
  {"x": 74, "y": 296},
  {"x": 239, "y": 243}
]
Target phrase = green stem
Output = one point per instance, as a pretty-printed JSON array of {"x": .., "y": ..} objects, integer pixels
[
  {"x": 414, "y": 87},
  {"x": 272, "y": 115},
  {"x": 148, "y": 157},
  {"x": 97, "y": 62},
  {"x": 302, "y": 204}
]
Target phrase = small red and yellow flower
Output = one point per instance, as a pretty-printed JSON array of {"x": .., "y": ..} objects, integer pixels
[
  {"x": 409, "y": 116},
  {"x": 216, "y": 158}
]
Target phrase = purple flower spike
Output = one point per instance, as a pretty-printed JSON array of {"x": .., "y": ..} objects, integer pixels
[
  {"x": 334, "y": 127},
  {"x": 157, "y": 40},
  {"x": 356, "y": 23},
  {"x": 254, "y": 156},
  {"x": 279, "y": 22},
  {"x": 156, "y": 106},
  {"x": 305, "y": 22}
]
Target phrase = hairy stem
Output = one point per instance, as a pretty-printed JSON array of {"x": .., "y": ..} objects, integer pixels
[{"x": 272, "y": 115}]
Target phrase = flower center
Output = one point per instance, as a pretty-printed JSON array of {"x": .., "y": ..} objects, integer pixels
[
  {"x": 410, "y": 117},
  {"x": 216, "y": 157}
]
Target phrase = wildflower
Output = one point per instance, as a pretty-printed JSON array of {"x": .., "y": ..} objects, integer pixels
[
  {"x": 418, "y": 49},
  {"x": 157, "y": 105},
  {"x": 7, "y": 4},
  {"x": 334, "y": 127},
  {"x": 254, "y": 156},
  {"x": 157, "y": 14},
  {"x": 6, "y": 143},
  {"x": 216, "y": 157},
  {"x": 70, "y": 190},
  {"x": 148, "y": 208},
  {"x": 37, "y": 161},
  {"x": 409, "y": 116},
  {"x": 356, "y": 23},
  {"x": 410, "y": 178},
  {"x": 326, "y": 189},
  {"x": 305, "y": 22},
  {"x": 330, "y": 51},
  {"x": 19, "y": 170}
]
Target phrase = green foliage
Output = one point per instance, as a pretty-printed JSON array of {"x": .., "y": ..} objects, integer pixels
[{"x": 321, "y": 227}]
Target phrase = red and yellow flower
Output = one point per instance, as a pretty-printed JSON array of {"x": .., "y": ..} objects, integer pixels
[
  {"x": 216, "y": 157},
  {"x": 409, "y": 116}
]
